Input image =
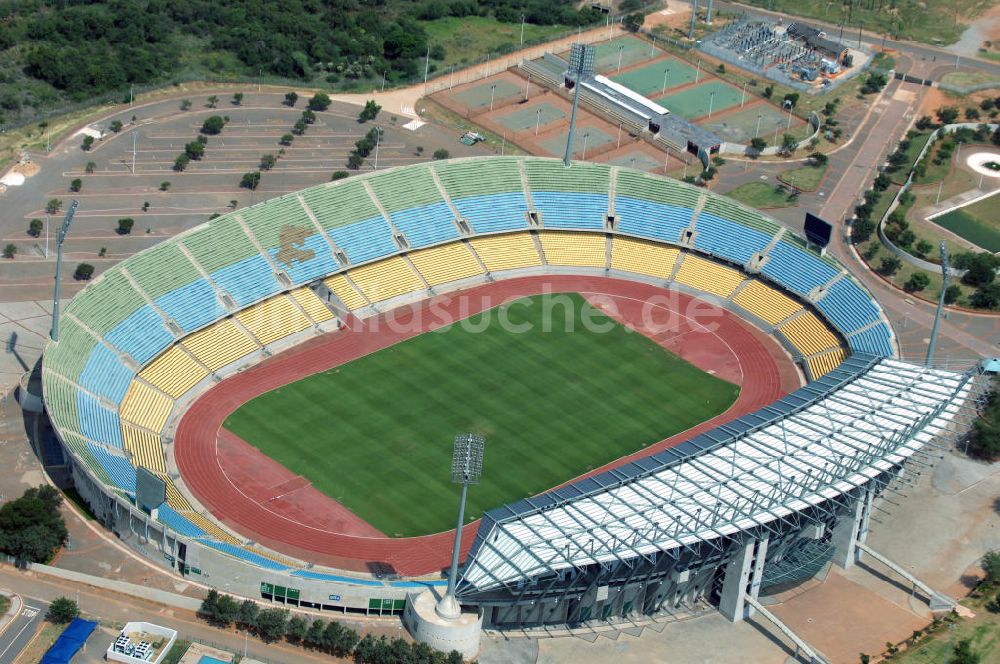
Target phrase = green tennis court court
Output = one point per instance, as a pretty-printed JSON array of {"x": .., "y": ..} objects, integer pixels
[
  {"x": 694, "y": 102},
  {"x": 528, "y": 116},
  {"x": 479, "y": 96},
  {"x": 584, "y": 138},
  {"x": 632, "y": 49},
  {"x": 649, "y": 79},
  {"x": 637, "y": 160}
]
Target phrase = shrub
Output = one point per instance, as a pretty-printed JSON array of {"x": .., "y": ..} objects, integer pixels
[
  {"x": 76, "y": 185},
  {"x": 186, "y": 105},
  {"x": 354, "y": 161},
  {"x": 291, "y": 98},
  {"x": 164, "y": 186},
  {"x": 116, "y": 126},
  {"x": 918, "y": 281},
  {"x": 339, "y": 175},
  {"x": 267, "y": 162},
  {"x": 370, "y": 111},
  {"x": 299, "y": 128},
  {"x": 83, "y": 272},
  {"x": 62, "y": 610},
  {"x": 181, "y": 162},
  {"x": 981, "y": 269},
  {"x": 125, "y": 225},
  {"x": 250, "y": 180},
  {"x": 195, "y": 150},
  {"x": 286, "y": 139},
  {"x": 237, "y": 98},
  {"x": 319, "y": 102},
  {"x": 308, "y": 116},
  {"x": 53, "y": 205},
  {"x": 35, "y": 227},
  {"x": 88, "y": 142},
  {"x": 213, "y": 125},
  {"x": 441, "y": 153},
  {"x": 889, "y": 265},
  {"x": 10, "y": 250},
  {"x": 951, "y": 294}
]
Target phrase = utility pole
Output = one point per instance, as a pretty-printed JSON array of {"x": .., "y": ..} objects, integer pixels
[
  {"x": 427, "y": 67},
  {"x": 378, "y": 140},
  {"x": 522, "y": 30},
  {"x": 135, "y": 138},
  {"x": 940, "y": 307},
  {"x": 54, "y": 332}
]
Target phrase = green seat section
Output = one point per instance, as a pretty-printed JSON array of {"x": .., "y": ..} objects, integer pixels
[
  {"x": 728, "y": 209},
  {"x": 268, "y": 221},
  {"x": 162, "y": 269},
  {"x": 60, "y": 397},
  {"x": 551, "y": 175},
  {"x": 340, "y": 204},
  {"x": 220, "y": 243},
  {"x": 406, "y": 188},
  {"x": 69, "y": 356},
  {"x": 658, "y": 190},
  {"x": 106, "y": 302},
  {"x": 464, "y": 179}
]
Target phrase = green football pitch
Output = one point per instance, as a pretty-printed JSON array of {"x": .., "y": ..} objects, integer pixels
[
  {"x": 553, "y": 401},
  {"x": 978, "y": 223}
]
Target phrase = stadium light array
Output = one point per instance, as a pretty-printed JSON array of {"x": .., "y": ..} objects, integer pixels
[{"x": 466, "y": 469}]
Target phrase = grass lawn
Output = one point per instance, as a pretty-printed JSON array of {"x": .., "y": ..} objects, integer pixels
[
  {"x": 968, "y": 79},
  {"x": 806, "y": 178},
  {"x": 977, "y": 223},
  {"x": 376, "y": 434},
  {"x": 917, "y": 144},
  {"x": 761, "y": 195},
  {"x": 4, "y": 604},
  {"x": 983, "y": 632},
  {"x": 176, "y": 651},
  {"x": 469, "y": 39}
]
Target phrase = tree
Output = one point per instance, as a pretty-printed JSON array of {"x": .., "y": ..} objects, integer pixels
[
  {"x": 90, "y": 167},
  {"x": 53, "y": 205},
  {"x": 314, "y": 637},
  {"x": 286, "y": 139},
  {"x": 441, "y": 153},
  {"x": 917, "y": 282},
  {"x": 757, "y": 144},
  {"x": 299, "y": 128},
  {"x": 125, "y": 225},
  {"x": 972, "y": 113},
  {"x": 963, "y": 653},
  {"x": 820, "y": 159},
  {"x": 88, "y": 142},
  {"x": 986, "y": 297},
  {"x": 768, "y": 91},
  {"x": 985, "y": 444},
  {"x": 164, "y": 186},
  {"x": 947, "y": 115},
  {"x": 181, "y": 162},
  {"x": 291, "y": 98},
  {"x": 889, "y": 266},
  {"x": 83, "y": 272},
  {"x": 354, "y": 161},
  {"x": 297, "y": 629},
  {"x": 247, "y": 616},
  {"x": 31, "y": 528},
  {"x": 364, "y": 146},
  {"x": 633, "y": 22},
  {"x": 271, "y": 624},
  {"x": 790, "y": 99},
  {"x": 319, "y": 102},
  {"x": 951, "y": 294},
  {"x": 116, "y": 126},
  {"x": 213, "y": 125},
  {"x": 923, "y": 248},
  {"x": 339, "y": 175},
  {"x": 250, "y": 180},
  {"x": 370, "y": 111},
  {"x": 62, "y": 610},
  {"x": 10, "y": 250},
  {"x": 881, "y": 182},
  {"x": 35, "y": 227},
  {"x": 980, "y": 269},
  {"x": 875, "y": 82},
  {"x": 76, "y": 185},
  {"x": 308, "y": 116},
  {"x": 990, "y": 564},
  {"x": 186, "y": 105},
  {"x": 789, "y": 143},
  {"x": 267, "y": 162},
  {"x": 194, "y": 150},
  {"x": 213, "y": 101},
  {"x": 237, "y": 98}
]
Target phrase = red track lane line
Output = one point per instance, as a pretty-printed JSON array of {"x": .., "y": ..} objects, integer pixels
[{"x": 766, "y": 373}]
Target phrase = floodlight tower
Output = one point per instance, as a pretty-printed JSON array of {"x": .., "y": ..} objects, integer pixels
[
  {"x": 466, "y": 469},
  {"x": 581, "y": 63},
  {"x": 54, "y": 332},
  {"x": 940, "y": 307}
]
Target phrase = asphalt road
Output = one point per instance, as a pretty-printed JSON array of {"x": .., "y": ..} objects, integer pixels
[{"x": 20, "y": 630}]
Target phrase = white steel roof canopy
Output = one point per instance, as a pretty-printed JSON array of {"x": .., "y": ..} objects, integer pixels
[{"x": 820, "y": 442}]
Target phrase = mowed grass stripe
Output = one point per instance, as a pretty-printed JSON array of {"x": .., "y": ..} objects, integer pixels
[{"x": 376, "y": 434}]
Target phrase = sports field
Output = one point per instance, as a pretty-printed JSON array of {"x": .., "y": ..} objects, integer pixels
[
  {"x": 978, "y": 223},
  {"x": 691, "y": 103},
  {"x": 479, "y": 96},
  {"x": 554, "y": 401},
  {"x": 626, "y": 50},
  {"x": 649, "y": 80},
  {"x": 531, "y": 116}
]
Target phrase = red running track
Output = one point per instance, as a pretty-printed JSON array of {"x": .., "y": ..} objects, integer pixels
[{"x": 260, "y": 499}]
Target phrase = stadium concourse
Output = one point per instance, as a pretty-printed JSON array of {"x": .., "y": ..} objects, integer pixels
[{"x": 154, "y": 354}]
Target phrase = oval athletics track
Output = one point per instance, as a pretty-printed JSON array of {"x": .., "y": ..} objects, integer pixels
[{"x": 261, "y": 500}]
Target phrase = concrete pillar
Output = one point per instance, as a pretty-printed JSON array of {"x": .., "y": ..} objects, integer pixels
[
  {"x": 743, "y": 574},
  {"x": 708, "y": 13},
  {"x": 847, "y": 531}
]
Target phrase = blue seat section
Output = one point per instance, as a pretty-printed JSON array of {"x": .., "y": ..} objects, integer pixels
[
  {"x": 561, "y": 209},
  {"x": 105, "y": 374},
  {"x": 426, "y": 224},
  {"x": 171, "y": 519},
  {"x": 192, "y": 306},
  {"x": 321, "y": 264},
  {"x": 418, "y": 584},
  {"x": 319, "y": 576},
  {"x": 118, "y": 468},
  {"x": 651, "y": 220},
  {"x": 248, "y": 556},
  {"x": 496, "y": 212},
  {"x": 365, "y": 240},
  {"x": 876, "y": 340},
  {"x": 248, "y": 280},
  {"x": 795, "y": 269},
  {"x": 141, "y": 335},
  {"x": 848, "y": 306},
  {"x": 728, "y": 239},
  {"x": 97, "y": 422}
]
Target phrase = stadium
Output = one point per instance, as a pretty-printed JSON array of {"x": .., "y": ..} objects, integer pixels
[{"x": 255, "y": 403}]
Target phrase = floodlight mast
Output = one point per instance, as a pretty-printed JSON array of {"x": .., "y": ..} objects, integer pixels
[
  {"x": 940, "y": 308},
  {"x": 466, "y": 469},
  {"x": 581, "y": 64},
  {"x": 54, "y": 332}
]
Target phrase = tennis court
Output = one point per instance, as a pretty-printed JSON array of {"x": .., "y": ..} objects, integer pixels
[
  {"x": 741, "y": 125},
  {"x": 478, "y": 96},
  {"x": 530, "y": 116},
  {"x": 691, "y": 103},
  {"x": 651, "y": 79},
  {"x": 632, "y": 50},
  {"x": 590, "y": 138},
  {"x": 638, "y": 160}
]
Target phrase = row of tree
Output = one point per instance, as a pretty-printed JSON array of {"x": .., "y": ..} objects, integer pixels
[{"x": 333, "y": 638}]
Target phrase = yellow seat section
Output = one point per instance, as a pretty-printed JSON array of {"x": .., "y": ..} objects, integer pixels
[
  {"x": 449, "y": 262},
  {"x": 506, "y": 252},
  {"x": 386, "y": 279},
  {"x": 145, "y": 448},
  {"x": 765, "y": 302},
  {"x": 585, "y": 249},
  {"x": 312, "y": 305},
  {"x": 273, "y": 319},
  {"x": 174, "y": 372},
  {"x": 210, "y": 527},
  {"x": 347, "y": 293},
  {"x": 821, "y": 365},
  {"x": 709, "y": 277},
  {"x": 643, "y": 257},
  {"x": 221, "y": 344},
  {"x": 145, "y": 406},
  {"x": 175, "y": 498},
  {"x": 808, "y": 334}
]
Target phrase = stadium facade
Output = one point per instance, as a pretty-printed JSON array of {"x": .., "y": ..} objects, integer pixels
[{"x": 762, "y": 501}]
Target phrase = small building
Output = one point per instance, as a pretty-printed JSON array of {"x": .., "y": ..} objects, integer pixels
[
  {"x": 69, "y": 643},
  {"x": 141, "y": 643},
  {"x": 817, "y": 40}
]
